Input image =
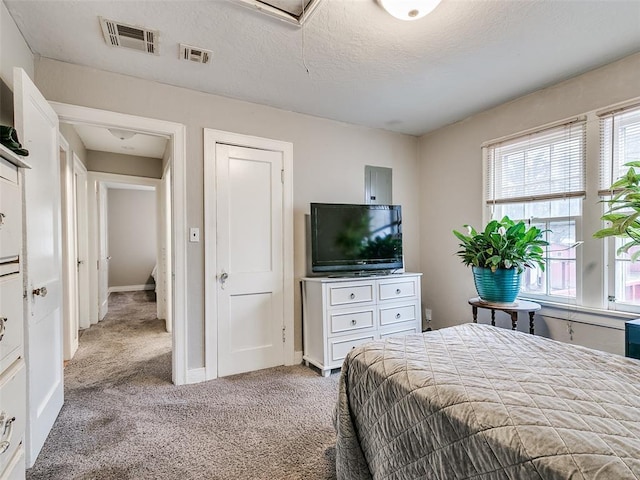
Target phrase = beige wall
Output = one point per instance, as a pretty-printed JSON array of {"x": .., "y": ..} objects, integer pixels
[
  {"x": 132, "y": 236},
  {"x": 329, "y": 159},
  {"x": 451, "y": 183},
  {"x": 14, "y": 51},
  {"x": 76, "y": 145},
  {"x": 107, "y": 162}
]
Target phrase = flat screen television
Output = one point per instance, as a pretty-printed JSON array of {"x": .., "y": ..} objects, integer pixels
[{"x": 355, "y": 238}]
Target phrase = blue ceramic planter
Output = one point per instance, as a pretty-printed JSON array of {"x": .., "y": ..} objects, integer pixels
[{"x": 501, "y": 286}]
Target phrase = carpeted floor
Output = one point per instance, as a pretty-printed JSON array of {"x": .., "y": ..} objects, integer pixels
[{"x": 123, "y": 419}]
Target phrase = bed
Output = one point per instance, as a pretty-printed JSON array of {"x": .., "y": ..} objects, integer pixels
[{"x": 479, "y": 402}]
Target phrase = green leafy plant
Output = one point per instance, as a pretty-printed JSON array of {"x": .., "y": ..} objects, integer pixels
[
  {"x": 503, "y": 244},
  {"x": 624, "y": 210}
]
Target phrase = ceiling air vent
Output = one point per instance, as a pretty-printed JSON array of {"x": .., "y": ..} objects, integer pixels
[
  {"x": 128, "y": 36},
  {"x": 195, "y": 54}
]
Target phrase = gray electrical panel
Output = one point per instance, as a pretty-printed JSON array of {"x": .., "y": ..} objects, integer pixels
[{"x": 377, "y": 185}]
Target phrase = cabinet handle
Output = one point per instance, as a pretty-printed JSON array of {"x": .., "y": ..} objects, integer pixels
[
  {"x": 398, "y": 315},
  {"x": 398, "y": 291},
  {"x": 352, "y": 296},
  {"x": 354, "y": 321},
  {"x": 3, "y": 321},
  {"x": 6, "y": 433},
  {"x": 2, "y": 217}
]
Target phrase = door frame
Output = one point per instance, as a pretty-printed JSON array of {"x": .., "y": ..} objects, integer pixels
[
  {"x": 102, "y": 182},
  {"x": 69, "y": 252},
  {"x": 211, "y": 138},
  {"x": 177, "y": 134},
  {"x": 82, "y": 245}
]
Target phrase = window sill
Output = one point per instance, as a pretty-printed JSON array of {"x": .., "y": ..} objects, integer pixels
[{"x": 579, "y": 314}]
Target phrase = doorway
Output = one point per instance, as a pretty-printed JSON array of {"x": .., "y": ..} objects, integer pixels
[{"x": 176, "y": 166}]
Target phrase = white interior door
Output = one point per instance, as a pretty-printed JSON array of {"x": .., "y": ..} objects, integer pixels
[
  {"x": 103, "y": 252},
  {"x": 249, "y": 259},
  {"x": 37, "y": 125},
  {"x": 82, "y": 242},
  {"x": 167, "y": 285},
  {"x": 69, "y": 251}
]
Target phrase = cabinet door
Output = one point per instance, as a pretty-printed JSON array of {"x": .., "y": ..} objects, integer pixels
[
  {"x": 10, "y": 220},
  {"x": 11, "y": 321},
  {"x": 12, "y": 412}
]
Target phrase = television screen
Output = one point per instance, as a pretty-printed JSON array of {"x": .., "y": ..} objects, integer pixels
[{"x": 352, "y": 238}]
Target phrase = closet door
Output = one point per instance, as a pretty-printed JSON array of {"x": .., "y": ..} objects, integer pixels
[{"x": 37, "y": 125}]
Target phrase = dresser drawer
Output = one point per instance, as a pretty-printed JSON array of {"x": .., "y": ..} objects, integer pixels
[
  {"x": 340, "y": 348},
  {"x": 401, "y": 331},
  {"x": 12, "y": 405},
  {"x": 15, "y": 470},
  {"x": 11, "y": 321},
  {"x": 398, "y": 314},
  {"x": 396, "y": 290},
  {"x": 10, "y": 221},
  {"x": 350, "y": 294},
  {"x": 8, "y": 171},
  {"x": 352, "y": 320}
]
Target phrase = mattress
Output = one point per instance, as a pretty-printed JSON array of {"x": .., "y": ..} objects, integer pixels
[{"x": 479, "y": 402}]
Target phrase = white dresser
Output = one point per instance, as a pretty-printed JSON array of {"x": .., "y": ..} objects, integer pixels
[
  {"x": 12, "y": 367},
  {"x": 342, "y": 313}
]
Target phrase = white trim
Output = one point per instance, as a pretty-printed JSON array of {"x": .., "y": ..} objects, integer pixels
[
  {"x": 531, "y": 131},
  {"x": 211, "y": 138},
  {"x": 297, "y": 357},
  {"x": 264, "y": 7},
  {"x": 132, "y": 288},
  {"x": 177, "y": 134},
  {"x": 196, "y": 375}
]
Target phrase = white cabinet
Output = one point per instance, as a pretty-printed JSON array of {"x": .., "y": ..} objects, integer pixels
[
  {"x": 12, "y": 367},
  {"x": 341, "y": 313}
]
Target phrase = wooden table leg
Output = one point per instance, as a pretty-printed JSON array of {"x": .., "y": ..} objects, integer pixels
[
  {"x": 493, "y": 317},
  {"x": 531, "y": 322},
  {"x": 474, "y": 310},
  {"x": 514, "y": 320}
]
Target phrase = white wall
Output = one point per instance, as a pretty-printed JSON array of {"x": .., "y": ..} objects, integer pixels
[
  {"x": 329, "y": 159},
  {"x": 132, "y": 236},
  {"x": 451, "y": 188}
]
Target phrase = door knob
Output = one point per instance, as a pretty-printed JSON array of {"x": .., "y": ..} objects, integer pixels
[
  {"x": 42, "y": 291},
  {"x": 223, "y": 278}
]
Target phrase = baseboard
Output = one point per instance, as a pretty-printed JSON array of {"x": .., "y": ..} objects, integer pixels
[
  {"x": 297, "y": 357},
  {"x": 196, "y": 375},
  {"x": 132, "y": 288}
]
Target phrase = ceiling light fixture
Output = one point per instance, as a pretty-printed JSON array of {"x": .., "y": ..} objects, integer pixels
[
  {"x": 409, "y": 9},
  {"x": 121, "y": 134}
]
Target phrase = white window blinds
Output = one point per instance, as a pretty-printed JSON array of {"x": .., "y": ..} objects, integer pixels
[
  {"x": 619, "y": 144},
  {"x": 544, "y": 165}
]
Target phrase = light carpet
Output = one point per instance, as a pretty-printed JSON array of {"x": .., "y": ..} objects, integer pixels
[{"x": 123, "y": 419}]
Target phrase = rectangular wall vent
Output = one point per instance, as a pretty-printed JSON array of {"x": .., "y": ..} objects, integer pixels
[
  {"x": 195, "y": 54},
  {"x": 129, "y": 36}
]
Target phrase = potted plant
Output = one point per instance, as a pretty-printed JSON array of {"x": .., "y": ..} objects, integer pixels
[
  {"x": 624, "y": 210},
  {"x": 499, "y": 254}
]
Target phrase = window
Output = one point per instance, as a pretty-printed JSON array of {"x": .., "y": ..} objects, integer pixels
[
  {"x": 540, "y": 178},
  {"x": 620, "y": 144}
]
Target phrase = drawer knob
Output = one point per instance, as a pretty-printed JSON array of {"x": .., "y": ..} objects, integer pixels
[
  {"x": 398, "y": 291},
  {"x": 352, "y": 296},
  {"x": 398, "y": 315},
  {"x": 3, "y": 321},
  {"x": 354, "y": 321},
  {"x": 2, "y": 217}
]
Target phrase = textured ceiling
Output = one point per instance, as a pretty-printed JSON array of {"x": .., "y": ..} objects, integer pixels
[{"x": 365, "y": 67}]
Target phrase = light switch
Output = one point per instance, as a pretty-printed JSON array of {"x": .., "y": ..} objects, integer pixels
[{"x": 194, "y": 234}]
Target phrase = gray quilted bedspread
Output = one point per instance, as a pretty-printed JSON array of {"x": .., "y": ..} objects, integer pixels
[{"x": 479, "y": 402}]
